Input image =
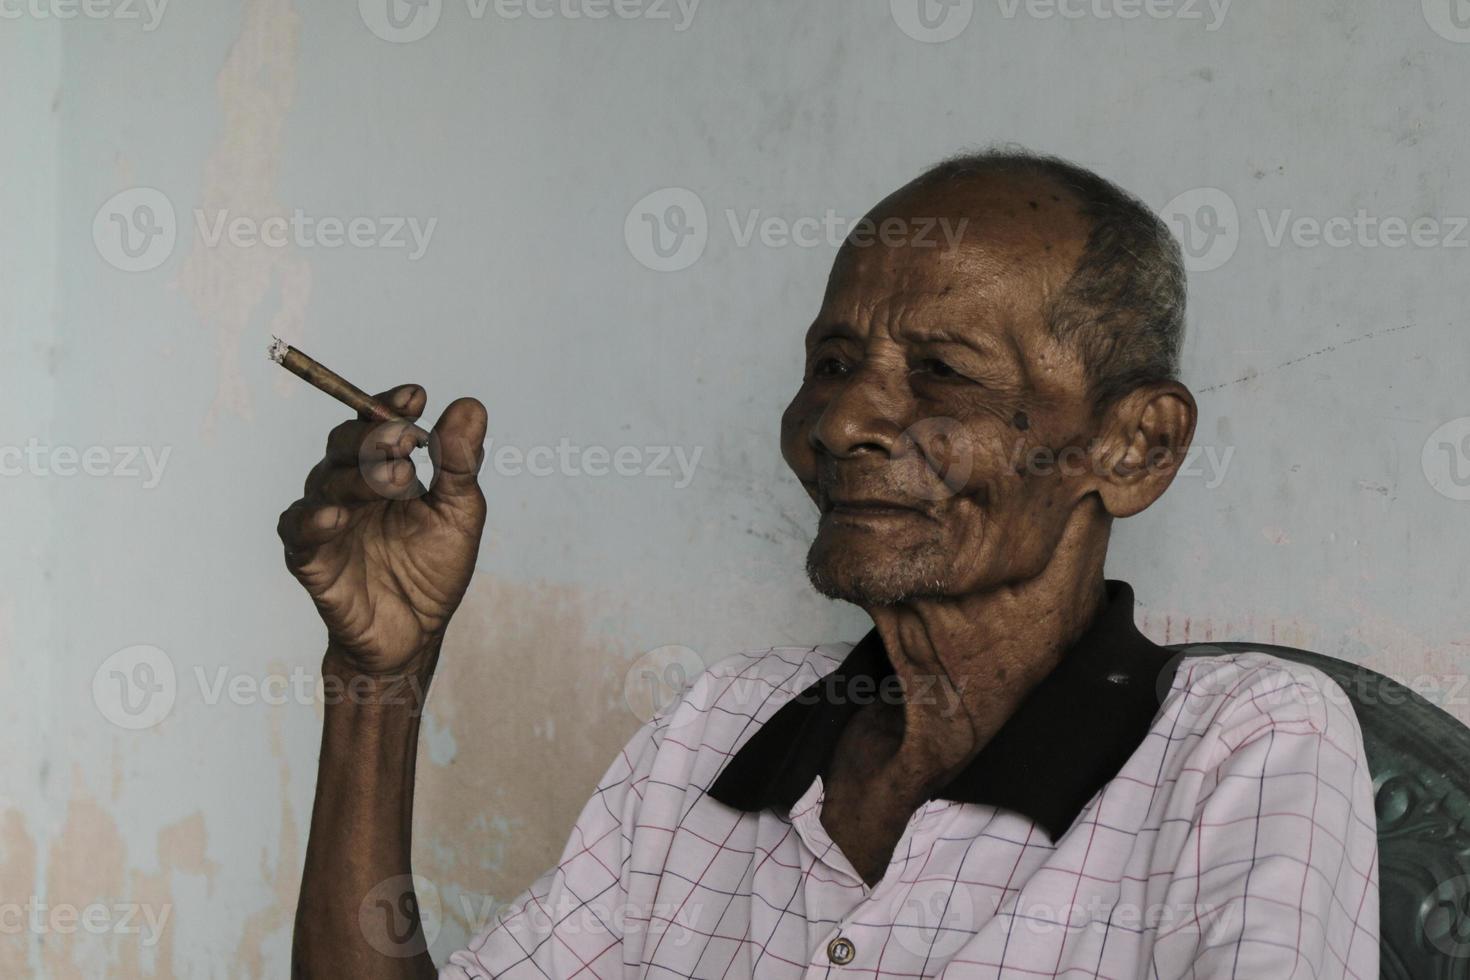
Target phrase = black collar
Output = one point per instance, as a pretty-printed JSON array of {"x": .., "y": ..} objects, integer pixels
[{"x": 1070, "y": 735}]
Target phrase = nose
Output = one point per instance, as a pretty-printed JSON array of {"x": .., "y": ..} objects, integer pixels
[{"x": 863, "y": 416}]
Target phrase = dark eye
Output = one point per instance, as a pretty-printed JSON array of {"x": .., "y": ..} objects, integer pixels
[
  {"x": 937, "y": 368},
  {"x": 828, "y": 367}
]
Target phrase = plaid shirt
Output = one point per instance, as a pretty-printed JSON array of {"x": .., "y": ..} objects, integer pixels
[{"x": 1140, "y": 816}]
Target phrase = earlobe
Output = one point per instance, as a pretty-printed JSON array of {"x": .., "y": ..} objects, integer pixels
[{"x": 1149, "y": 431}]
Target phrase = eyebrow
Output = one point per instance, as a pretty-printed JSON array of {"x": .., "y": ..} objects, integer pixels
[
  {"x": 980, "y": 342},
  {"x": 833, "y": 330}
]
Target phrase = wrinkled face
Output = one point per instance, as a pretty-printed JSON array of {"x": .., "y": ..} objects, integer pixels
[{"x": 939, "y": 428}]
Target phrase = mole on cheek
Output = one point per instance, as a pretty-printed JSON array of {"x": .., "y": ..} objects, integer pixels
[{"x": 1021, "y": 422}]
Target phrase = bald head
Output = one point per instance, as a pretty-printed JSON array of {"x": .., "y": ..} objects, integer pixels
[{"x": 1106, "y": 269}]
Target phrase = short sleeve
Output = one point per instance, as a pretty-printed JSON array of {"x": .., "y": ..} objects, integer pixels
[
  {"x": 572, "y": 920},
  {"x": 1277, "y": 872}
]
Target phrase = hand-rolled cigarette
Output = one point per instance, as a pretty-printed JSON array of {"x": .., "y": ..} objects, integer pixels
[{"x": 320, "y": 376}]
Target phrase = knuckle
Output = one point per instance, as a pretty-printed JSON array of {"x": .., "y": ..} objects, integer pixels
[{"x": 286, "y": 522}]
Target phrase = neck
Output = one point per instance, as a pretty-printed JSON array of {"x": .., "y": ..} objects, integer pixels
[{"x": 967, "y": 662}]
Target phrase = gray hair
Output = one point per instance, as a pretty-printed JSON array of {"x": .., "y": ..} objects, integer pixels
[{"x": 1123, "y": 307}]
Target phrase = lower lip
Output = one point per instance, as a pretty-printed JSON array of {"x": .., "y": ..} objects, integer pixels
[{"x": 863, "y": 515}]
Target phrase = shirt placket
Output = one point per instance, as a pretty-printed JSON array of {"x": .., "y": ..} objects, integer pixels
[{"x": 848, "y": 947}]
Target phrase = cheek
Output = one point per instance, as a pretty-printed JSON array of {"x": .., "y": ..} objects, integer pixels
[{"x": 978, "y": 459}]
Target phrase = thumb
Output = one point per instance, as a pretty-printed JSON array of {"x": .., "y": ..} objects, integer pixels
[{"x": 457, "y": 448}]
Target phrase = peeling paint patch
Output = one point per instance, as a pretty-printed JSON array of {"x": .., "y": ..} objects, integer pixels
[
  {"x": 17, "y": 878},
  {"x": 225, "y": 283},
  {"x": 531, "y": 691}
]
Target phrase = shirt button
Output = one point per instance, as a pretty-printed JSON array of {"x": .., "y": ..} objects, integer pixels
[{"x": 841, "y": 951}]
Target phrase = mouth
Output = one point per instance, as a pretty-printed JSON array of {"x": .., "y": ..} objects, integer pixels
[{"x": 862, "y": 509}]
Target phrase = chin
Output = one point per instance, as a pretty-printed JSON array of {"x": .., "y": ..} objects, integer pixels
[{"x": 871, "y": 572}]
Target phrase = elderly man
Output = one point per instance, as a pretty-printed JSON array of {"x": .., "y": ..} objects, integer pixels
[{"x": 1004, "y": 778}]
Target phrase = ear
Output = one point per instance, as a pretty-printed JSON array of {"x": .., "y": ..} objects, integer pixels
[{"x": 1146, "y": 434}]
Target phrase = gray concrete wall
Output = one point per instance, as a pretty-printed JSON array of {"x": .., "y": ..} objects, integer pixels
[{"x": 157, "y": 657}]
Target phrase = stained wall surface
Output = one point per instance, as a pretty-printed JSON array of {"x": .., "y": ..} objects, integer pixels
[{"x": 612, "y": 223}]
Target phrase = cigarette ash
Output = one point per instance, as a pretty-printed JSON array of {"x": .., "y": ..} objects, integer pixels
[{"x": 277, "y": 350}]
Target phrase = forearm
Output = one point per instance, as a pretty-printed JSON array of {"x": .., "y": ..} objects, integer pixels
[{"x": 357, "y": 915}]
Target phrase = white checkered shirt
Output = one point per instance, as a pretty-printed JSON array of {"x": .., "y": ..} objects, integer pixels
[{"x": 1238, "y": 840}]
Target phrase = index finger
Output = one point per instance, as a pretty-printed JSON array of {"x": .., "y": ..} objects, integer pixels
[{"x": 406, "y": 401}]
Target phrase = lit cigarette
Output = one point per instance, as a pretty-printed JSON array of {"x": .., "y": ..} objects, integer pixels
[{"x": 323, "y": 378}]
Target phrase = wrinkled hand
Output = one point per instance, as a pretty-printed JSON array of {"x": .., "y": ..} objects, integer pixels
[{"x": 386, "y": 561}]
